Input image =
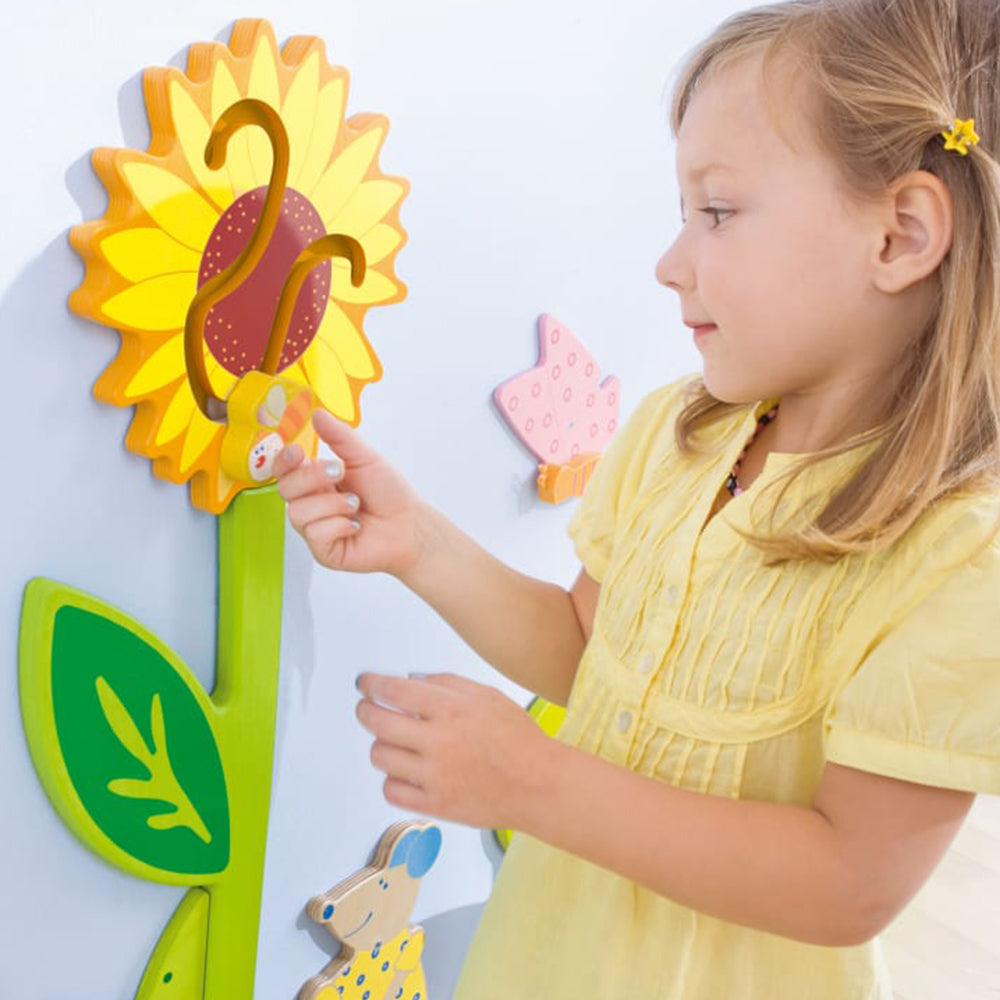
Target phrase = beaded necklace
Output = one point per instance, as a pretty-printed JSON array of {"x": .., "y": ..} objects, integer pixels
[{"x": 732, "y": 482}]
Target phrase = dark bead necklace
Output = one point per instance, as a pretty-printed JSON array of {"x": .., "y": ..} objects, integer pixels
[{"x": 732, "y": 481}]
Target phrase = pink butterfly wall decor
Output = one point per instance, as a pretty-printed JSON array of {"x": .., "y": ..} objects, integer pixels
[{"x": 561, "y": 410}]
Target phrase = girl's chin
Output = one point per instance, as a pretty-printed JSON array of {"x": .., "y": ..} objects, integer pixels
[{"x": 729, "y": 390}]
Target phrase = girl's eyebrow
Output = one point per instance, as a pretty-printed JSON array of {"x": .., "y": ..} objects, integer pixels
[{"x": 699, "y": 173}]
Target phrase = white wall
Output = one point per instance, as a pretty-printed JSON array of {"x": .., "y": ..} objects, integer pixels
[{"x": 534, "y": 134}]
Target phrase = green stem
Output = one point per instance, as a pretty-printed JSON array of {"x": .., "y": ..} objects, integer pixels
[{"x": 251, "y": 552}]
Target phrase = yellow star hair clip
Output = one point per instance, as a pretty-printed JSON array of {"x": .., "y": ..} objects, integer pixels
[{"x": 962, "y": 136}]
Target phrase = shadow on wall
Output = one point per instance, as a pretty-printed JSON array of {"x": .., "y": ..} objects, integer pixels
[{"x": 448, "y": 936}]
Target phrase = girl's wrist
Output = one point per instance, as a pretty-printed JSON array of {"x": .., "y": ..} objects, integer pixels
[
  {"x": 539, "y": 788},
  {"x": 426, "y": 539}
]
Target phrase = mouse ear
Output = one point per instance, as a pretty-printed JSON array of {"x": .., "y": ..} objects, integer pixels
[{"x": 423, "y": 852}]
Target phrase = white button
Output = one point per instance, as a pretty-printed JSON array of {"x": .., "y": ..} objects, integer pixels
[
  {"x": 624, "y": 720},
  {"x": 672, "y": 594},
  {"x": 646, "y": 662}
]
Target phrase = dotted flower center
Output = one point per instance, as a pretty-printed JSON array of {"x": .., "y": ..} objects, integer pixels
[{"x": 237, "y": 328}]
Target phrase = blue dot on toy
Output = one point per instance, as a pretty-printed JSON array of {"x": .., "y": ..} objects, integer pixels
[
  {"x": 376, "y": 950},
  {"x": 385, "y": 966},
  {"x": 327, "y": 911},
  {"x": 168, "y": 977},
  {"x": 361, "y": 979}
]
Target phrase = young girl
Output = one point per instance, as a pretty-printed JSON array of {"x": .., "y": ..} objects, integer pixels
[{"x": 782, "y": 654}]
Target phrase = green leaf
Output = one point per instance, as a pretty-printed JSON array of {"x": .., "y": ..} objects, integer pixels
[
  {"x": 176, "y": 969},
  {"x": 122, "y": 736}
]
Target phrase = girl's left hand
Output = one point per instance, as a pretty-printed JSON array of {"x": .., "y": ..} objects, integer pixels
[{"x": 455, "y": 749}]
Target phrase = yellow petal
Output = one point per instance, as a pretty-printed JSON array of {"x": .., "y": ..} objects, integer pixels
[
  {"x": 263, "y": 86},
  {"x": 223, "y": 485},
  {"x": 201, "y": 433},
  {"x": 192, "y": 133},
  {"x": 220, "y": 379},
  {"x": 366, "y": 208},
  {"x": 375, "y": 288},
  {"x": 175, "y": 206},
  {"x": 157, "y": 304},
  {"x": 299, "y": 113},
  {"x": 225, "y": 93},
  {"x": 341, "y": 180},
  {"x": 138, "y": 254},
  {"x": 327, "y": 377},
  {"x": 379, "y": 242},
  {"x": 341, "y": 336},
  {"x": 328, "y": 119},
  {"x": 160, "y": 369},
  {"x": 295, "y": 373},
  {"x": 177, "y": 415}
]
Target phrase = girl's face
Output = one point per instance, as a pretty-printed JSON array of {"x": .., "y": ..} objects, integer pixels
[{"x": 772, "y": 261}]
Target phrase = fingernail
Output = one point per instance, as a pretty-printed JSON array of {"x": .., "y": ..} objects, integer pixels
[
  {"x": 357, "y": 682},
  {"x": 352, "y": 501},
  {"x": 356, "y": 525},
  {"x": 334, "y": 469},
  {"x": 417, "y": 677},
  {"x": 294, "y": 453}
]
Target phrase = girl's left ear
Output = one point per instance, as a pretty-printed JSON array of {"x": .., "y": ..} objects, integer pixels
[{"x": 917, "y": 228}]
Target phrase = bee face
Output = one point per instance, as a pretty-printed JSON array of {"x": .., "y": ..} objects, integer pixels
[{"x": 264, "y": 414}]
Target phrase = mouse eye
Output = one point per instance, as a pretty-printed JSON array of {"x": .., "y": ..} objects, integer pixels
[{"x": 328, "y": 911}]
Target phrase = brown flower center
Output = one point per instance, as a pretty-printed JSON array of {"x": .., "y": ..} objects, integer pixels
[{"x": 238, "y": 327}]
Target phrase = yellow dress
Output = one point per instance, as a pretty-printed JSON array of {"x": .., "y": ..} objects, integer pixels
[{"x": 713, "y": 672}]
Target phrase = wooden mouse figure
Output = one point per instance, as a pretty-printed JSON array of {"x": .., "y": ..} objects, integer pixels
[{"x": 369, "y": 913}]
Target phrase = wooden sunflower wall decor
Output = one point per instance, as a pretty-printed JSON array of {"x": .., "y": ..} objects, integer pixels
[
  {"x": 238, "y": 257},
  {"x": 184, "y": 217}
]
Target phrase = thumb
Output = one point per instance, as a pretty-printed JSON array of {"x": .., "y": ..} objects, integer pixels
[
  {"x": 453, "y": 682},
  {"x": 346, "y": 443}
]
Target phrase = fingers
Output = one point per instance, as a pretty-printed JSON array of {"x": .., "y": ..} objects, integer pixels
[
  {"x": 416, "y": 697},
  {"x": 455, "y": 682},
  {"x": 397, "y": 763},
  {"x": 314, "y": 507},
  {"x": 288, "y": 459},
  {"x": 344, "y": 441},
  {"x": 389, "y": 725},
  {"x": 406, "y": 796},
  {"x": 303, "y": 478}
]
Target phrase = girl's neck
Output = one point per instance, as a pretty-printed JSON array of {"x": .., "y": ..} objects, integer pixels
[{"x": 810, "y": 423}]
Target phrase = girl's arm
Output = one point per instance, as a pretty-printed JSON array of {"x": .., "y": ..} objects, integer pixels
[
  {"x": 532, "y": 632},
  {"x": 358, "y": 514},
  {"x": 834, "y": 873}
]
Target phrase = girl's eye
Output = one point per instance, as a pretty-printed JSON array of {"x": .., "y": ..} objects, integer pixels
[{"x": 719, "y": 215}]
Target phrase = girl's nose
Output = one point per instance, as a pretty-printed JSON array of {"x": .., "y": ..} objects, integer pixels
[{"x": 673, "y": 269}]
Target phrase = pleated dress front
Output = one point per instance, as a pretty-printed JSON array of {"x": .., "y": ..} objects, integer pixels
[{"x": 710, "y": 671}]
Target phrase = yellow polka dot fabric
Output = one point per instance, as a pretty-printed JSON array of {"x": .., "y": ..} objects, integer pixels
[{"x": 710, "y": 671}]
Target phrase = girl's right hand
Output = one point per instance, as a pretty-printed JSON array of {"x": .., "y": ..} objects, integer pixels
[{"x": 355, "y": 511}]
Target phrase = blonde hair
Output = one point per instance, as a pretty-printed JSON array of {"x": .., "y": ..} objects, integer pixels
[{"x": 887, "y": 76}]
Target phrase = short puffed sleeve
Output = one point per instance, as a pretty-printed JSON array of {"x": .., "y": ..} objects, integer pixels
[
  {"x": 924, "y": 706},
  {"x": 619, "y": 473}
]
